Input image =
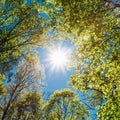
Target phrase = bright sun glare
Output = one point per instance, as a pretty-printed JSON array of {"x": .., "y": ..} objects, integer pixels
[{"x": 59, "y": 58}]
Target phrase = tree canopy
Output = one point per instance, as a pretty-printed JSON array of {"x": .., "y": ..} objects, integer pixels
[
  {"x": 65, "y": 105},
  {"x": 94, "y": 28}
]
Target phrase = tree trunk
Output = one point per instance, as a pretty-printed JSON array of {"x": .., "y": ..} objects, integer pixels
[{"x": 6, "y": 109}]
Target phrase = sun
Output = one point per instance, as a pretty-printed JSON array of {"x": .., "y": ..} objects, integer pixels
[{"x": 59, "y": 58}]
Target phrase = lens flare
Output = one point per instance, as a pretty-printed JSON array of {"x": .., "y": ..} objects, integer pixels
[{"x": 59, "y": 58}]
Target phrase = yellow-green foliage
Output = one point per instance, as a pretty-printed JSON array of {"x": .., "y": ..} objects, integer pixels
[
  {"x": 21, "y": 29},
  {"x": 2, "y": 77},
  {"x": 95, "y": 28},
  {"x": 65, "y": 104}
]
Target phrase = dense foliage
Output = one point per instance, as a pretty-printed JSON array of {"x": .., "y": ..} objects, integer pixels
[
  {"x": 92, "y": 25},
  {"x": 96, "y": 25}
]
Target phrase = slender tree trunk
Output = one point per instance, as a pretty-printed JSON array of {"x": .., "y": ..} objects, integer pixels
[
  {"x": 6, "y": 109},
  {"x": 8, "y": 104}
]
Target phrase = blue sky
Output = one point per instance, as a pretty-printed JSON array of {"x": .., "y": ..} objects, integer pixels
[{"x": 55, "y": 79}]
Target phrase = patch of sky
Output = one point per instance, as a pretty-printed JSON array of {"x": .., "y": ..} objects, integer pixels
[
  {"x": 83, "y": 98},
  {"x": 28, "y": 2},
  {"x": 9, "y": 75},
  {"x": 51, "y": 32},
  {"x": 43, "y": 15},
  {"x": 55, "y": 80}
]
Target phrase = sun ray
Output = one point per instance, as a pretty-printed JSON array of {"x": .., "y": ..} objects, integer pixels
[{"x": 59, "y": 58}]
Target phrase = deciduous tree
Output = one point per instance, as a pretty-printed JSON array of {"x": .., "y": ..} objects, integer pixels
[
  {"x": 27, "y": 78},
  {"x": 65, "y": 105}
]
